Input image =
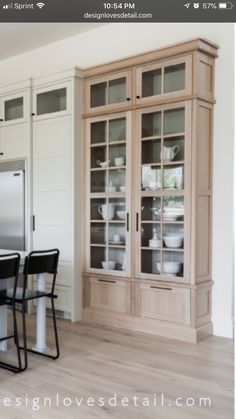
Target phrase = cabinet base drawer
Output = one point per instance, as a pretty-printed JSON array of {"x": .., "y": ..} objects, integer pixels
[
  {"x": 163, "y": 303},
  {"x": 146, "y": 325},
  {"x": 108, "y": 294}
]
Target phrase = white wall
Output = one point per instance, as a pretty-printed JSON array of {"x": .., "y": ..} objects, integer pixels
[{"x": 115, "y": 41}]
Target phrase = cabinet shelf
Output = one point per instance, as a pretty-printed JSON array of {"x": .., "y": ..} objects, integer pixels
[
  {"x": 168, "y": 249},
  {"x": 173, "y": 136}
]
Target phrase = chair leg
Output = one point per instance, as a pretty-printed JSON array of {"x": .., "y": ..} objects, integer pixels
[
  {"x": 55, "y": 329},
  {"x": 16, "y": 338},
  {"x": 5, "y": 365},
  {"x": 24, "y": 348},
  {"x": 55, "y": 334}
]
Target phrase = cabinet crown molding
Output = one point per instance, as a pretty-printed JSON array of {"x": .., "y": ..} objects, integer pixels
[{"x": 197, "y": 44}]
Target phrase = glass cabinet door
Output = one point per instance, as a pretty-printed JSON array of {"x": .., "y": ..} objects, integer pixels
[
  {"x": 109, "y": 203},
  {"x": 13, "y": 109},
  {"x": 166, "y": 78},
  {"x": 161, "y": 206},
  {"x": 110, "y": 92},
  {"x": 51, "y": 101}
]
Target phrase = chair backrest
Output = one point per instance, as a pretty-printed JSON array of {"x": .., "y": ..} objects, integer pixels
[
  {"x": 41, "y": 261},
  {"x": 9, "y": 265}
]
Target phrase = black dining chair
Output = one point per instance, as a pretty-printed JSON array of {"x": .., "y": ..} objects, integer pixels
[
  {"x": 9, "y": 270},
  {"x": 38, "y": 262}
]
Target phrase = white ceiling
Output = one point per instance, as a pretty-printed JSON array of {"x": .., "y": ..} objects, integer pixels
[{"x": 16, "y": 38}]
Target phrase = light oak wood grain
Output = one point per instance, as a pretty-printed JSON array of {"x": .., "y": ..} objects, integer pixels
[{"x": 97, "y": 361}]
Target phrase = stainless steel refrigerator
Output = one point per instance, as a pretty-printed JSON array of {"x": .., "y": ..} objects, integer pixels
[{"x": 12, "y": 205}]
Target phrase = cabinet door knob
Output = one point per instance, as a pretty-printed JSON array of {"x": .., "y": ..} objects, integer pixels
[
  {"x": 1, "y": 154},
  {"x": 128, "y": 99},
  {"x": 137, "y": 97},
  {"x": 33, "y": 114},
  {"x": 1, "y": 120}
]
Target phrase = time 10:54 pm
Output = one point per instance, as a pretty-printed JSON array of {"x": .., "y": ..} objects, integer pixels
[{"x": 119, "y": 5}]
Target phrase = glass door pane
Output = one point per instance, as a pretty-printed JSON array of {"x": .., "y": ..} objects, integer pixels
[
  {"x": 108, "y": 225},
  {"x": 51, "y": 101},
  {"x": 174, "y": 121},
  {"x": 14, "y": 109},
  {"x": 98, "y": 95},
  {"x": 162, "y": 158},
  {"x": 174, "y": 78},
  {"x": 108, "y": 92},
  {"x": 117, "y": 91},
  {"x": 151, "y": 124},
  {"x": 151, "y": 82}
]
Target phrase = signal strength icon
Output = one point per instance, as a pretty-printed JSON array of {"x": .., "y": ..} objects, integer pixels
[{"x": 40, "y": 5}]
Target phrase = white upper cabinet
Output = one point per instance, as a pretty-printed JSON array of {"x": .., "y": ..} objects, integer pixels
[
  {"x": 15, "y": 122},
  {"x": 14, "y": 108},
  {"x": 50, "y": 101}
]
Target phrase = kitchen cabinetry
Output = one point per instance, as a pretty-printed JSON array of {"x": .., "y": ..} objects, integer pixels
[
  {"x": 15, "y": 121},
  {"x": 56, "y": 142},
  {"x": 154, "y": 211},
  {"x": 110, "y": 92},
  {"x": 109, "y": 203}
]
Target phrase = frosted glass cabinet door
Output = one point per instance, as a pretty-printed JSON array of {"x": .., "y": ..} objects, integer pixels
[
  {"x": 109, "y": 92},
  {"x": 13, "y": 109},
  {"x": 51, "y": 101},
  {"x": 168, "y": 78}
]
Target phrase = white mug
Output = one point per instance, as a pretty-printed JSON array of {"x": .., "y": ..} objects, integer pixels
[
  {"x": 116, "y": 238},
  {"x": 169, "y": 153},
  {"x": 119, "y": 161},
  {"x": 107, "y": 211}
]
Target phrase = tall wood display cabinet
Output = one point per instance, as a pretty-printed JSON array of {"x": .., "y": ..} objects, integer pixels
[{"x": 149, "y": 191}]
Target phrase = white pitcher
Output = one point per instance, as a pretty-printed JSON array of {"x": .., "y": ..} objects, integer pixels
[
  {"x": 169, "y": 153},
  {"x": 107, "y": 211}
]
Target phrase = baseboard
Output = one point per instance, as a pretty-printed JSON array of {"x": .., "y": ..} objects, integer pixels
[{"x": 150, "y": 326}]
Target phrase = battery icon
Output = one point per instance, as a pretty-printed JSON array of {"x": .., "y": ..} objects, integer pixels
[{"x": 226, "y": 5}]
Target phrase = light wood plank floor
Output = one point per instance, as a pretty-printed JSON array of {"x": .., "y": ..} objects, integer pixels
[{"x": 100, "y": 362}]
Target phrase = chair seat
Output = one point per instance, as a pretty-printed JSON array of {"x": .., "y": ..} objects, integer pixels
[{"x": 29, "y": 294}]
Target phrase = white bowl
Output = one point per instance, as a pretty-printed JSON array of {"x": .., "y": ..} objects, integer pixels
[
  {"x": 169, "y": 217},
  {"x": 110, "y": 189},
  {"x": 169, "y": 268},
  {"x": 121, "y": 215},
  {"x": 109, "y": 265},
  {"x": 173, "y": 241}
]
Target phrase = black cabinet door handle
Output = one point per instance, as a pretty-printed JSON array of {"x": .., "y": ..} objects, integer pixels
[
  {"x": 127, "y": 221},
  {"x": 1, "y": 154},
  {"x": 1, "y": 120},
  {"x": 33, "y": 114},
  {"x": 137, "y": 221},
  {"x": 107, "y": 281},
  {"x": 128, "y": 99},
  {"x": 161, "y": 288},
  {"x": 138, "y": 97},
  {"x": 33, "y": 222}
]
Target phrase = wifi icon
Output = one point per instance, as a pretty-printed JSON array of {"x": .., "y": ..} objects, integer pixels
[{"x": 40, "y": 5}]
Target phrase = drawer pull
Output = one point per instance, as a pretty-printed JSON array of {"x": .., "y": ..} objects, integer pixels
[
  {"x": 109, "y": 281},
  {"x": 161, "y": 288},
  {"x": 137, "y": 222},
  {"x": 127, "y": 221}
]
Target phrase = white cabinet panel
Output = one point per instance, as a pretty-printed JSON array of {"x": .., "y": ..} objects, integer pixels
[
  {"x": 51, "y": 137},
  {"x": 51, "y": 174},
  {"x": 52, "y": 208},
  {"x": 14, "y": 141},
  {"x": 48, "y": 237},
  {"x": 53, "y": 184}
]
